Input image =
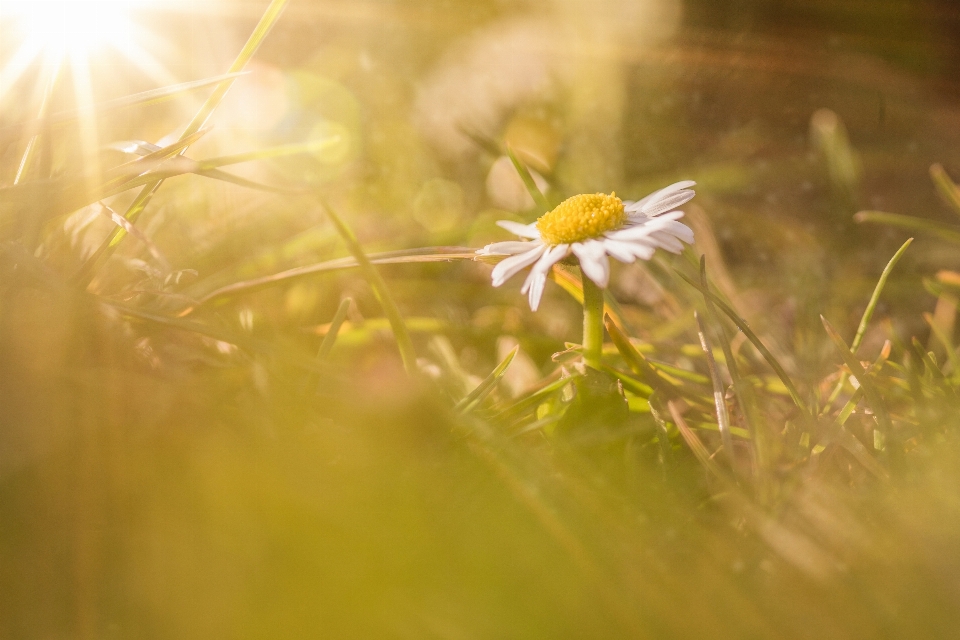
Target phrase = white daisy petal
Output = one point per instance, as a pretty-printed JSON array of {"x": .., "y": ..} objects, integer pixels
[
  {"x": 680, "y": 230},
  {"x": 518, "y": 229},
  {"x": 667, "y": 241},
  {"x": 550, "y": 257},
  {"x": 508, "y": 248},
  {"x": 649, "y": 224},
  {"x": 619, "y": 250},
  {"x": 537, "y": 278},
  {"x": 644, "y": 228},
  {"x": 660, "y": 194},
  {"x": 536, "y": 290},
  {"x": 506, "y": 269},
  {"x": 628, "y": 251},
  {"x": 672, "y": 201},
  {"x": 593, "y": 261}
]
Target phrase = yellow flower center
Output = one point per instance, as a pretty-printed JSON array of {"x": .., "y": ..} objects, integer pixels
[{"x": 580, "y": 218}]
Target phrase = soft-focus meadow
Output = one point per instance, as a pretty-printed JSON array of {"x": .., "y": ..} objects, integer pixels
[{"x": 206, "y": 426}]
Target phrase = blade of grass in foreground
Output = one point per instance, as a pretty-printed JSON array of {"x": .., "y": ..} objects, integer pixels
[
  {"x": 947, "y": 343},
  {"x": 867, "y": 316},
  {"x": 429, "y": 254},
  {"x": 331, "y": 337},
  {"x": 869, "y": 390},
  {"x": 380, "y": 290},
  {"x": 875, "y": 298},
  {"x": 752, "y": 337},
  {"x": 742, "y": 390},
  {"x": 542, "y": 205},
  {"x": 947, "y": 188},
  {"x": 723, "y": 417},
  {"x": 267, "y": 21},
  {"x": 695, "y": 444},
  {"x": 474, "y": 398}
]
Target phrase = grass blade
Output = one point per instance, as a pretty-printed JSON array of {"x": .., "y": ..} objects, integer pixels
[
  {"x": 867, "y": 316},
  {"x": 742, "y": 390},
  {"x": 945, "y": 340},
  {"x": 866, "y": 383},
  {"x": 695, "y": 444},
  {"x": 331, "y": 338},
  {"x": 752, "y": 337},
  {"x": 634, "y": 386},
  {"x": 380, "y": 290},
  {"x": 542, "y": 205},
  {"x": 723, "y": 417},
  {"x": 946, "y": 187},
  {"x": 472, "y": 399},
  {"x": 634, "y": 359},
  {"x": 950, "y": 233},
  {"x": 406, "y": 256},
  {"x": 875, "y": 298},
  {"x": 267, "y": 21}
]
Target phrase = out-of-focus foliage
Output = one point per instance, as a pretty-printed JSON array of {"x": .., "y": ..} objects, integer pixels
[{"x": 206, "y": 427}]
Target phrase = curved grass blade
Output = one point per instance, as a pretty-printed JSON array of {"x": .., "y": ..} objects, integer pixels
[
  {"x": 723, "y": 416},
  {"x": 331, "y": 337},
  {"x": 634, "y": 386},
  {"x": 742, "y": 390},
  {"x": 380, "y": 290},
  {"x": 752, "y": 337},
  {"x": 663, "y": 432},
  {"x": 536, "y": 397},
  {"x": 946, "y": 187},
  {"x": 541, "y": 201},
  {"x": 406, "y": 256},
  {"x": 875, "y": 298},
  {"x": 867, "y": 316},
  {"x": 927, "y": 360},
  {"x": 947, "y": 343},
  {"x": 695, "y": 444},
  {"x": 244, "y": 342},
  {"x": 634, "y": 359},
  {"x": 475, "y": 397},
  {"x": 264, "y": 26},
  {"x": 866, "y": 383},
  {"x": 143, "y": 148},
  {"x": 152, "y": 248},
  {"x": 946, "y": 232}
]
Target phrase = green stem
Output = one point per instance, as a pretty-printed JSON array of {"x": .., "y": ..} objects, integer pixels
[{"x": 592, "y": 322}]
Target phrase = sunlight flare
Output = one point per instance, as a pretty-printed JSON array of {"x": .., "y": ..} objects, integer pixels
[{"x": 69, "y": 28}]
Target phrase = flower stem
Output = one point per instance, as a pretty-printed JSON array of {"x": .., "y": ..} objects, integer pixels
[{"x": 592, "y": 322}]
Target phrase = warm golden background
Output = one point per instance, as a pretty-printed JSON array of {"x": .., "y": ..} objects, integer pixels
[{"x": 162, "y": 481}]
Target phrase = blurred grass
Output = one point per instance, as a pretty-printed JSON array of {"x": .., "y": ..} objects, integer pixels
[{"x": 214, "y": 434}]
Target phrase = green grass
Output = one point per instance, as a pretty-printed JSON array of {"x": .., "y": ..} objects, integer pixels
[{"x": 280, "y": 407}]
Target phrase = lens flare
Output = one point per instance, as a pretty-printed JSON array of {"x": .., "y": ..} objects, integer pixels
[{"x": 69, "y": 28}]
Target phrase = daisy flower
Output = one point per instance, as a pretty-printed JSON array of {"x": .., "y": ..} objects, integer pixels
[{"x": 594, "y": 228}]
